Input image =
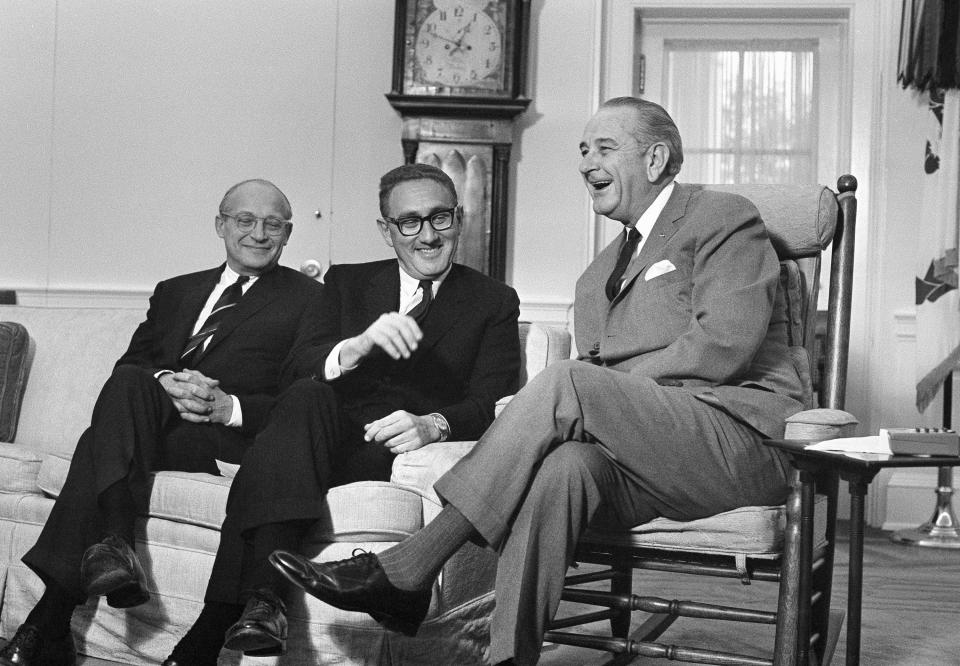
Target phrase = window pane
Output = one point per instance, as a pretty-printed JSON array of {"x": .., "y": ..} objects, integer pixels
[{"x": 745, "y": 109}]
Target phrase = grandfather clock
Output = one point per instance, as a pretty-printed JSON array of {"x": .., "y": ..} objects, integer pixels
[{"x": 459, "y": 74}]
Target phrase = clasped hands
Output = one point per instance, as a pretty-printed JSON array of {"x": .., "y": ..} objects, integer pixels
[
  {"x": 398, "y": 336},
  {"x": 198, "y": 398}
]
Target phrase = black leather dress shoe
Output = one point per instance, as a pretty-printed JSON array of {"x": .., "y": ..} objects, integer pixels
[
  {"x": 357, "y": 584},
  {"x": 29, "y": 648},
  {"x": 187, "y": 661},
  {"x": 111, "y": 568},
  {"x": 262, "y": 629}
]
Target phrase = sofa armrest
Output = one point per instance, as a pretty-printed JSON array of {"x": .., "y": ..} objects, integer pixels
[
  {"x": 421, "y": 468},
  {"x": 15, "y": 357},
  {"x": 820, "y": 424}
]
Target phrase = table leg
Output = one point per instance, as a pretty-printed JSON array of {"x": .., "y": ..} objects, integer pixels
[{"x": 858, "y": 490}]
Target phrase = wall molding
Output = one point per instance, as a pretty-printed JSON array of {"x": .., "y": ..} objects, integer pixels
[
  {"x": 905, "y": 326},
  {"x": 557, "y": 311},
  {"x": 549, "y": 311},
  {"x": 129, "y": 299}
]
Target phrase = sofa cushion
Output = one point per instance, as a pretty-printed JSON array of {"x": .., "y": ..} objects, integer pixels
[
  {"x": 364, "y": 511},
  {"x": 14, "y": 364},
  {"x": 369, "y": 511},
  {"x": 19, "y": 468},
  {"x": 193, "y": 498}
]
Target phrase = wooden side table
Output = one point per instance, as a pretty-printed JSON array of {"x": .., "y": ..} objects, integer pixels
[{"x": 858, "y": 470}]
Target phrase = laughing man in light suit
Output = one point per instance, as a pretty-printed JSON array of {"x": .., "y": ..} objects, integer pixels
[{"x": 682, "y": 373}]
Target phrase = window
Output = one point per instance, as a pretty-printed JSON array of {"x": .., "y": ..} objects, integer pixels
[{"x": 753, "y": 119}]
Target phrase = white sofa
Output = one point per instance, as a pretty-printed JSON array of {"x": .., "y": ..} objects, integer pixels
[{"x": 73, "y": 351}]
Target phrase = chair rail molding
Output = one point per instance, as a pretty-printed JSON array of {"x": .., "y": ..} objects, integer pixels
[
  {"x": 547, "y": 311},
  {"x": 84, "y": 297},
  {"x": 558, "y": 311}
]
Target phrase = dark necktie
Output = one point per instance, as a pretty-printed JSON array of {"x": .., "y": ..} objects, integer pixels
[
  {"x": 230, "y": 297},
  {"x": 627, "y": 251},
  {"x": 419, "y": 311}
]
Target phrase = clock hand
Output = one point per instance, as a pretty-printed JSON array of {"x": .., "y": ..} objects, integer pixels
[
  {"x": 462, "y": 32},
  {"x": 447, "y": 39}
]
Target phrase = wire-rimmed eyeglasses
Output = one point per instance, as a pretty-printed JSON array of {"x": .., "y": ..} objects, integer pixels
[{"x": 272, "y": 225}]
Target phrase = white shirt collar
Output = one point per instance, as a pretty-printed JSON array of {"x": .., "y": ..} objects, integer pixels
[
  {"x": 649, "y": 217},
  {"x": 410, "y": 284},
  {"x": 229, "y": 276}
]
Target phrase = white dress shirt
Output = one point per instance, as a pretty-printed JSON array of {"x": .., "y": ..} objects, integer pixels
[{"x": 410, "y": 296}]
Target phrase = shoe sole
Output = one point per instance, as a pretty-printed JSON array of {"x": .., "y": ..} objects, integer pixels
[
  {"x": 128, "y": 595},
  {"x": 388, "y": 621},
  {"x": 254, "y": 643}
]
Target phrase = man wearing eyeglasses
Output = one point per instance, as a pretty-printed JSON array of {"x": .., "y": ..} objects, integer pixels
[
  {"x": 406, "y": 352},
  {"x": 197, "y": 381}
]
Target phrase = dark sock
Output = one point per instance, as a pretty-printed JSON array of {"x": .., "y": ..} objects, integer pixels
[
  {"x": 202, "y": 643},
  {"x": 414, "y": 563},
  {"x": 119, "y": 513},
  {"x": 53, "y": 611},
  {"x": 255, "y": 570}
]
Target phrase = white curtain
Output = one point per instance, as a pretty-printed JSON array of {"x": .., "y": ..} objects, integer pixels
[{"x": 753, "y": 117}]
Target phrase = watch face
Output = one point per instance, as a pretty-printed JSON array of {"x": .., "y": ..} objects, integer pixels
[{"x": 457, "y": 47}]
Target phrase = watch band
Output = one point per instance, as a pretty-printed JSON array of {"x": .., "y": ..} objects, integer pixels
[{"x": 442, "y": 425}]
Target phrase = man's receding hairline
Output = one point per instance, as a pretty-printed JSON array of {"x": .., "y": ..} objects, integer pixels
[{"x": 231, "y": 192}]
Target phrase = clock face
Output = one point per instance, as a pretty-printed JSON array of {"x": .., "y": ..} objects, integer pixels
[{"x": 457, "y": 47}]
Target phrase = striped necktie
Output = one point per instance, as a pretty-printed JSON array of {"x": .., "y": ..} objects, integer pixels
[
  {"x": 419, "y": 311},
  {"x": 627, "y": 251},
  {"x": 230, "y": 297}
]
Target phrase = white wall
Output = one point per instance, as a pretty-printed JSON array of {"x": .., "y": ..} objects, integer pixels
[{"x": 125, "y": 120}]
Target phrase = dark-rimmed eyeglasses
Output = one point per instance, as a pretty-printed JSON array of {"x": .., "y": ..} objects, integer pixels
[
  {"x": 272, "y": 226},
  {"x": 440, "y": 220}
]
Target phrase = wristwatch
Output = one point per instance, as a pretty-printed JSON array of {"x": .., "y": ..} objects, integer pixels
[{"x": 442, "y": 426}]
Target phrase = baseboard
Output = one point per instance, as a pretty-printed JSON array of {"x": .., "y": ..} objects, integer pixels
[{"x": 911, "y": 498}]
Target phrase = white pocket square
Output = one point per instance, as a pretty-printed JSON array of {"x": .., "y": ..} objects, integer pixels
[{"x": 660, "y": 268}]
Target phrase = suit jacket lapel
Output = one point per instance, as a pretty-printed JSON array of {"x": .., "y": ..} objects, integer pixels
[
  {"x": 663, "y": 229},
  {"x": 382, "y": 293},
  {"x": 445, "y": 308}
]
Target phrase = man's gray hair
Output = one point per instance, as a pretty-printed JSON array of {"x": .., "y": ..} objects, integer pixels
[{"x": 653, "y": 124}]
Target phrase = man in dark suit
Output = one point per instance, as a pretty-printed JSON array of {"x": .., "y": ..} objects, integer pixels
[
  {"x": 406, "y": 352},
  {"x": 197, "y": 381},
  {"x": 683, "y": 370}
]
